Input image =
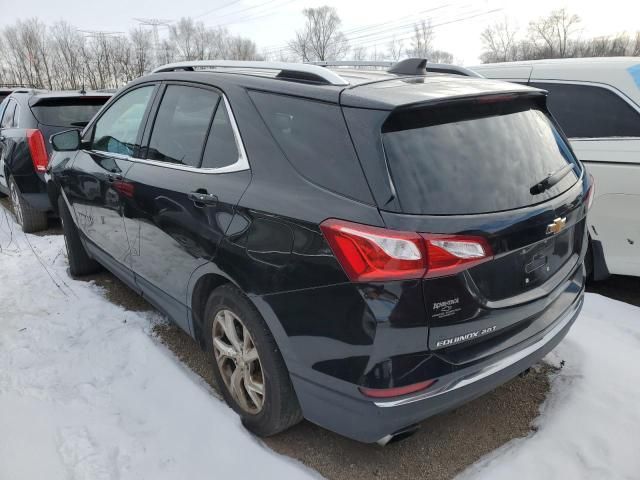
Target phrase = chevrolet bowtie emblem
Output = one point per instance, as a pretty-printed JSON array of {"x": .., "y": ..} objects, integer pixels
[{"x": 557, "y": 225}]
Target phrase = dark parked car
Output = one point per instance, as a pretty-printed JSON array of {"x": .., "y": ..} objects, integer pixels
[
  {"x": 362, "y": 249},
  {"x": 28, "y": 118}
]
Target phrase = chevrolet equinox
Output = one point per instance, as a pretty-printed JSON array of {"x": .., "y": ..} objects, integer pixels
[{"x": 363, "y": 249}]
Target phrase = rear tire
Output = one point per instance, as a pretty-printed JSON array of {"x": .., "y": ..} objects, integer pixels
[
  {"x": 80, "y": 263},
  {"x": 277, "y": 408},
  {"x": 30, "y": 219}
]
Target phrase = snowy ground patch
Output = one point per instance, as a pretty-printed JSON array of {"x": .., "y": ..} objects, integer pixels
[
  {"x": 86, "y": 393},
  {"x": 589, "y": 427}
]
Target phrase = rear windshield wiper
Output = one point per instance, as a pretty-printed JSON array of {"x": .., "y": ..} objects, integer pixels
[{"x": 552, "y": 179}]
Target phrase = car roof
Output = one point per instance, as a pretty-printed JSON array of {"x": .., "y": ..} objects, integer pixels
[
  {"x": 361, "y": 88},
  {"x": 623, "y": 73}
]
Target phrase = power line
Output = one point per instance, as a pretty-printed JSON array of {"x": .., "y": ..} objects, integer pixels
[{"x": 376, "y": 27}]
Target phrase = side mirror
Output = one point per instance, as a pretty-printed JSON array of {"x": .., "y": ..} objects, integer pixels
[{"x": 66, "y": 141}]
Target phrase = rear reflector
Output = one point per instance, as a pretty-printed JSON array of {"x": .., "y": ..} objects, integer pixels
[
  {"x": 397, "y": 391},
  {"x": 376, "y": 254},
  {"x": 38, "y": 150}
]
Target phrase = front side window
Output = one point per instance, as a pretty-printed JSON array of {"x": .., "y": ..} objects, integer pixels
[
  {"x": 586, "y": 111},
  {"x": 117, "y": 130},
  {"x": 182, "y": 124}
]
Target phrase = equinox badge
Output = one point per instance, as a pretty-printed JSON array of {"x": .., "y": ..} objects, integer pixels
[{"x": 557, "y": 225}]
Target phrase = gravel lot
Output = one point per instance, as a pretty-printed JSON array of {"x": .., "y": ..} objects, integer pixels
[{"x": 443, "y": 447}]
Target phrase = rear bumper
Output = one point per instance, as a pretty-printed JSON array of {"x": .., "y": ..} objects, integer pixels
[{"x": 370, "y": 421}]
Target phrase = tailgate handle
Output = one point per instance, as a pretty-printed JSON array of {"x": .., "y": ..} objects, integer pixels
[{"x": 201, "y": 198}]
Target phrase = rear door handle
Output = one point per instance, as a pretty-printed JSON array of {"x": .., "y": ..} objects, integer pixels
[{"x": 200, "y": 198}]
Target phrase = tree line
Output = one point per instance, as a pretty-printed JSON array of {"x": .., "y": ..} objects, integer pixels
[
  {"x": 62, "y": 57},
  {"x": 556, "y": 35}
]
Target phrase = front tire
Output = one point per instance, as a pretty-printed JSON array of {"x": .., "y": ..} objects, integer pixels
[
  {"x": 30, "y": 219},
  {"x": 247, "y": 364},
  {"x": 80, "y": 263}
]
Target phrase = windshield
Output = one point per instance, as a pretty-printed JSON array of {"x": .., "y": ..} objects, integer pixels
[{"x": 475, "y": 157}]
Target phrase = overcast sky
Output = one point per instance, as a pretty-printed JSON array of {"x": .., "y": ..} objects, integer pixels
[{"x": 271, "y": 23}]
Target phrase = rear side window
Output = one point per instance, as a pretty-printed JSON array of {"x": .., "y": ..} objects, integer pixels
[
  {"x": 221, "y": 150},
  {"x": 67, "y": 112},
  {"x": 447, "y": 161},
  {"x": 585, "y": 111},
  {"x": 116, "y": 131},
  {"x": 182, "y": 124},
  {"x": 315, "y": 140}
]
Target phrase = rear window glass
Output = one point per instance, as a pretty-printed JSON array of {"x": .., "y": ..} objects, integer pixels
[
  {"x": 314, "y": 138},
  {"x": 69, "y": 112},
  {"x": 447, "y": 161}
]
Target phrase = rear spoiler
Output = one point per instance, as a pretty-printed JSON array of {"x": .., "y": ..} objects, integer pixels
[
  {"x": 68, "y": 100},
  {"x": 488, "y": 97}
]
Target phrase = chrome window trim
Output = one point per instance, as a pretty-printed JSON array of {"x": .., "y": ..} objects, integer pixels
[{"x": 241, "y": 164}]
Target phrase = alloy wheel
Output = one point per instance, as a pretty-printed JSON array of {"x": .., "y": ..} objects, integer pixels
[{"x": 238, "y": 361}]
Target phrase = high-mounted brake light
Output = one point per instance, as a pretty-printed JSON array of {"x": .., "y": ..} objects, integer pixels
[
  {"x": 38, "y": 150},
  {"x": 375, "y": 254},
  {"x": 590, "y": 193}
]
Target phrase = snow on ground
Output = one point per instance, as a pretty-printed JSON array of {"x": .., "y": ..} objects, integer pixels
[
  {"x": 589, "y": 427},
  {"x": 87, "y": 393}
]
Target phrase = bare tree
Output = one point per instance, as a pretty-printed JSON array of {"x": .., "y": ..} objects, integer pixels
[
  {"x": 422, "y": 41},
  {"x": 554, "y": 33},
  {"x": 321, "y": 38},
  {"x": 239, "y": 48},
  {"x": 499, "y": 42},
  {"x": 142, "y": 51},
  {"x": 395, "y": 49}
]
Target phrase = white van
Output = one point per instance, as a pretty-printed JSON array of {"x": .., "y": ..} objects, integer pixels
[{"x": 596, "y": 101}]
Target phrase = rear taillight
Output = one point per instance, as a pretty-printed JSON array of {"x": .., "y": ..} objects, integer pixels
[
  {"x": 374, "y": 254},
  {"x": 371, "y": 253},
  {"x": 38, "y": 150},
  {"x": 591, "y": 192},
  {"x": 451, "y": 254}
]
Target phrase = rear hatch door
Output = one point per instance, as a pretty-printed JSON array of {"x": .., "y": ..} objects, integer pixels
[{"x": 496, "y": 167}]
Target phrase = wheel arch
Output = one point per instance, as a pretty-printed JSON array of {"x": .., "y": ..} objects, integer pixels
[{"x": 209, "y": 277}]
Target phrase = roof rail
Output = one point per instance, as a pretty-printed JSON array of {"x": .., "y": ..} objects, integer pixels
[
  {"x": 352, "y": 63},
  {"x": 293, "y": 71},
  {"x": 409, "y": 66}
]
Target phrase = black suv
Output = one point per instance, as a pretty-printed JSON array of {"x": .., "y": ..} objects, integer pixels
[
  {"x": 361, "y": 249},
  {"x": 28, "y": 118}
]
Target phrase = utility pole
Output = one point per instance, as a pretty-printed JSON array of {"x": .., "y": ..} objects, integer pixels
[{"x": 155, "y": 24}]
